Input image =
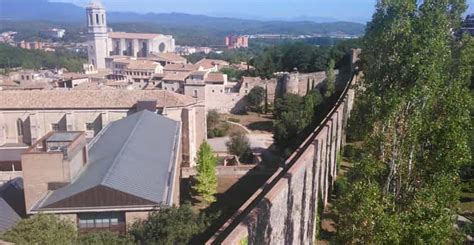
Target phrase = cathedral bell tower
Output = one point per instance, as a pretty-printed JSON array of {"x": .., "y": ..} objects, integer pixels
[{"x": 97, "y": 34}]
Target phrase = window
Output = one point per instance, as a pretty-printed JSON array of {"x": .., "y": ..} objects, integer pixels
[
  {"x": 90, "y": 126},
  {"x": 55, "y": 127},
  {"x": 97, "y": 19},
  {"x": 100, "y": 220},
  {"x": 246, "y": 85},
  {"x": 195, "y": 93},
  {"x": 90, "y": 19},
  {"x": 19, "y": 127},
  {"x": 103, "y": 19}
]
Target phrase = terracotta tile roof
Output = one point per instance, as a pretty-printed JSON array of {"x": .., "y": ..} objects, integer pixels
[
  {"x": 8, "y": 83},
  {"x": 142, "y": 65},
  {"x": 72, "y": 75},
  {"x": 199, "y": 73},
  {"x": 85, "y": 99},
  {"x": 181, "y": 67},
  {"x": 178, "y": 76},
  {"x": 170, "y": 57},
  {"x": 91, "y": 86},
  {"x": 209, "y": 63},
  {"x": 127, "y": 35},
  {"x": 215, "y": 78}
]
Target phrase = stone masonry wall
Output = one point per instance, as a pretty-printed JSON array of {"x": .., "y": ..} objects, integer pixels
[{"x": 284, "y": 210}]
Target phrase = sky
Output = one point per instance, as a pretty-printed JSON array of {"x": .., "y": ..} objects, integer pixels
[{"x": 348, "y": 10}]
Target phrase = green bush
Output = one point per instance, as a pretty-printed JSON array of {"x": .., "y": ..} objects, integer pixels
[
  {"x": 216, "y": 132},
  {"x": 349, "y": 151},
  {"x": 236, "y": 120},
  {"x": 210, "y": 134},
  {"x": 104, "y": 238},
  {"x": 340, "y": 186}
]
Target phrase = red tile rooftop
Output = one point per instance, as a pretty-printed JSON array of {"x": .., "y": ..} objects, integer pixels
[{"x": 89, "y": 99}]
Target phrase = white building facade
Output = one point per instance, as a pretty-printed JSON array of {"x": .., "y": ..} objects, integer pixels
[{"x": 103, "y": 44}]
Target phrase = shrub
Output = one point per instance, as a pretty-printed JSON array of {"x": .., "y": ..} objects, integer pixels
[
  {"x": 239, "y": 145},
  {"x": 42, "y": 229},
  {"x": 169, "y": 226},
  {"x": 212, "y": 119},
  {"x": 236, "y": 120},
  {"x": 104, "y": 238},
  {"x": 349, "y": 151},
  {"x": 340, "y": 186}
]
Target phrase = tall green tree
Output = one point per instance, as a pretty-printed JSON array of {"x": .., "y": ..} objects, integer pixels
[
  {"x": 42, "y": 229},
  {"x": 174, "y": 225},
  {"x": 206, "y": 179},
  {"x": 294, "y": 114},
  {"x": 416, "y": 122},
  {"x": 330, "y": 79},
  {"x": 255, "y": 98}
]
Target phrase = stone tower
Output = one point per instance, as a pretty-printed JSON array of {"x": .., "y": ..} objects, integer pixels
[
  {"x": 291, "y": 82},
  {"x": 97, "y": 34}
]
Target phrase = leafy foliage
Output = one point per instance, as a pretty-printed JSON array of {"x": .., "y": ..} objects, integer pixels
[
  {"x": 105, "y": 238},
  {"x": 175, "y": 225},
  {"x": 212, "y": 119},
  {"x": 294, "y": 114},
  {"x": 414, "y": 113},
  {"x": 206, "y": 179},
  {"x": 42, "y": 229},
  {"x": 330, "y": 79},
  {"x": 239, "y": 145},
  {"x": 255, "y": 98},
  {"x": 35, "y": 59},
  {"x": 232, "y": 73},
  {"x": 303, "y": 56}
]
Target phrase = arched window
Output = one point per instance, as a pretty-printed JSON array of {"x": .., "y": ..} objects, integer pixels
[
  {"x": 19, "y": 127},
  {"x": 91, "y": 19},
  {"x": 97, "y": 19}
]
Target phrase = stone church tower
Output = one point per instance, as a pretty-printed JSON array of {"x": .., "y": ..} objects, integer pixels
[{"x": 97, "y": 34}]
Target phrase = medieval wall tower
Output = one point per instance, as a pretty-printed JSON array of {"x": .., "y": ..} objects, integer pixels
[{"x": 97, "y": 34}]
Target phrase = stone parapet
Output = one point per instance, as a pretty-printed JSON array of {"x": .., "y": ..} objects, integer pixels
[{"x": 284, "y": 209}]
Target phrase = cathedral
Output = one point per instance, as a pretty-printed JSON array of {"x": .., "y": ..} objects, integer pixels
[{"x": 103, "y": 43}]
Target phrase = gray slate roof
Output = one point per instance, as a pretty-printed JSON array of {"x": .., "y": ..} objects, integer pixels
[
  {"x": 8, "y": 216},
  {"x": 135, "y": 155},
  {"x": 9, "y": 194}
]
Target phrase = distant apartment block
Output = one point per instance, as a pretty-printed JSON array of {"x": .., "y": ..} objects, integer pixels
[
  {"x": 235, "y": 41},
  {"x": 53, "y": 33}
]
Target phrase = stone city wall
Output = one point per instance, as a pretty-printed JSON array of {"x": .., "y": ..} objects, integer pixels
[
  {"x": 284, "y": 209},
  {"x": 234, "y": 102}
]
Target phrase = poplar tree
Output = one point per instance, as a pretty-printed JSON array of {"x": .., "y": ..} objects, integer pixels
[
  {"x": 330, "y": 79},
  {"x": 416, "y": 103},
  {"x": 206, "y": 179}
]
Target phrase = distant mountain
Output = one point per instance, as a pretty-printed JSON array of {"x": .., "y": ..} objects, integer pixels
[
  {"x": 28, "y": 15},
  {"x": 27, "y": 10},
  {"x": 40, "y": 10},
  {"x": 316, "y": 19}
]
